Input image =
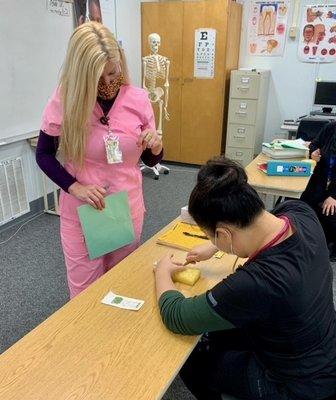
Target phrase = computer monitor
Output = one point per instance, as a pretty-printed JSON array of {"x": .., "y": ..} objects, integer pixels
[{"x": 325, "y": 95}]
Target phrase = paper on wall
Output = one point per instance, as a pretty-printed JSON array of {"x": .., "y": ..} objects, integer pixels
[
  {"x": 267, "y": 27},
  {"x": 205, "y": 53},
  {"x": 317, "y": 41},
  {"x": 58, "y": 7}
]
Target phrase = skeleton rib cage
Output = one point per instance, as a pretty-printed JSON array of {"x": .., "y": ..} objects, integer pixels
[{"x": 155, "y": 69}]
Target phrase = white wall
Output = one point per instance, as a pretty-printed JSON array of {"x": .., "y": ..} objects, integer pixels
[
  {"x": 125, "y": 23},
  {"x": 292, "y": 82},
  {"x": 128, "y": 31},
  {"x": 124, "y": 19}
]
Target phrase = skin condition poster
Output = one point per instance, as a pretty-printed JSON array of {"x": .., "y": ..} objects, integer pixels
[
  {"x": 317, "y": 41},
  {"x": 267, "y": 27}
]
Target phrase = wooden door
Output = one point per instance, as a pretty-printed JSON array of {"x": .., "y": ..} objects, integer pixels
[
  {"x": 197, "y": 107},
  {"x": 166, "y": 19},
  {"x": 203, "y": 99}
]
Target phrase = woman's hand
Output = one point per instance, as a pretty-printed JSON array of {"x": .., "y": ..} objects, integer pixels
[
  {"x": 201, "y": 253},
  {"x": 149, "y": 139},
  {"x": 329, "y": 206},
  {"x": 167, "y": 265},
  {"x": 316, "y": 155},
  {"x": 91, "y": 194}
]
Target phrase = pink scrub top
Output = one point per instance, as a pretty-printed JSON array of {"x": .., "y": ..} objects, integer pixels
[{"x": 130, "y": 114}]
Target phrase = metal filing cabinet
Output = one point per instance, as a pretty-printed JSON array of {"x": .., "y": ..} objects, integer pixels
[{"x": 247, "y": 114}]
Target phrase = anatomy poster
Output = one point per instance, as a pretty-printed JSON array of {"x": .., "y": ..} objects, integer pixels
[
  {"x": 317, "y": 41},
  {"x": 205, "y": 53},
  {"x": 267, "y": 27}
]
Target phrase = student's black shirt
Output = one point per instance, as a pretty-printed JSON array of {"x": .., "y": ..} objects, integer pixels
[
  {"x": 318, "y": 189},
  {"x": 283, "y": 300}
]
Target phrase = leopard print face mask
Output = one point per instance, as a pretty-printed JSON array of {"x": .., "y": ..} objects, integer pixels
[{"x": 107, "y": 92}]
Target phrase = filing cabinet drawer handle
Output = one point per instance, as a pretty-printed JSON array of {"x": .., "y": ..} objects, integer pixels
[
  {"x": 241, "y": 130},
  {"x": 244, "y": 88},
  {"x": 241, "y": 113},
  {"x": 239, "y": 153},
  {"x": 239, "y": 136}
]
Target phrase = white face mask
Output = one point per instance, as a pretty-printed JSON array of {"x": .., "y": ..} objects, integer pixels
[{"x": 231, "y": 246}]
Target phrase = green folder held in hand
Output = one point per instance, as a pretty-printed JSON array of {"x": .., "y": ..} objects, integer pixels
[{"x": 109, "y": 229}]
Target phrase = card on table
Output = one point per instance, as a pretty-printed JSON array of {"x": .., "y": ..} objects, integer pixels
[{"x": 112, "y": 299}]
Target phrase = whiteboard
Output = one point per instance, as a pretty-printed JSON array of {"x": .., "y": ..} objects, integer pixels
[{"x": 33, "y": 44}]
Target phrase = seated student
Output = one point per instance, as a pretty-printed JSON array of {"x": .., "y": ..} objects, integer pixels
[
  {"x": 271, "y": 324},
  {"x": 320, "y": 193}
]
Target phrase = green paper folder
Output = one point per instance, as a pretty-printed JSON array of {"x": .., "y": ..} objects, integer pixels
[{"x": 109, "y": 229}]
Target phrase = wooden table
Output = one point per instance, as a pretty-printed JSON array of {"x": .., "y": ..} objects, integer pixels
[
  {"x": 286, "y": 186},
  {"x": 88, "y": 350}
]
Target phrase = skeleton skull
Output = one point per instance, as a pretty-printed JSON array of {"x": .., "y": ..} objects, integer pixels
[{"x": 154, "y": 41}]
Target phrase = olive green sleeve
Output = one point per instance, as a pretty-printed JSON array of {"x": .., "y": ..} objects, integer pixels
[{"x": 190, "y": 316}]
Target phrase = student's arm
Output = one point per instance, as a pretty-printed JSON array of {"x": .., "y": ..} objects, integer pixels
[
  {"x": 187, "y": 316},
  {"x": 239, "y": 298},
  {"x": 46, "y": 159},
  {"x": 332, "y": 190},
  {"x": 315, "y": 144},
  {"x": 190, "y": 316},
  {"x": 321, "y": 138}
]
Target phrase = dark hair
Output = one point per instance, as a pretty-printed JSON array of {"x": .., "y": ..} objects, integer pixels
[
  {"x": 222, "y": 194},
  {"x": 309, "y": 26}
]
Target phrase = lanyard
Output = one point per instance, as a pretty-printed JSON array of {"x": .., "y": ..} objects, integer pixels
[
  {"x": 276, "y": 238},
  {"x": 112, "y": 144},
  {"x": 105, "y": 120}
]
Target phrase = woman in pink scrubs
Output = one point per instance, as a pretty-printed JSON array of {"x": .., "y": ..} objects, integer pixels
[{"x": 93, "y": 106}]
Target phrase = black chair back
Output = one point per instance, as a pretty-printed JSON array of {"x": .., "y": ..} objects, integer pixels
[{"x": 309, "y": 128}]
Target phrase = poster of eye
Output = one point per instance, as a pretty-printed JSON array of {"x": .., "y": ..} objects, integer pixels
[
  {"x": 317, "y": 41},
  {"x": 267, "y": 27}
]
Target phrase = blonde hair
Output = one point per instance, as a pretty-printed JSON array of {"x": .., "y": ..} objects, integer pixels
[{"x": 90, "y": 47}]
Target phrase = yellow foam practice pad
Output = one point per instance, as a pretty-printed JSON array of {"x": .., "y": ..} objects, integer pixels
[{"x": 188, "y": 276}]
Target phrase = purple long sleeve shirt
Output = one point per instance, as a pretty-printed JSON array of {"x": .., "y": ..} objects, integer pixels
[{"x": 47, "y": 148}]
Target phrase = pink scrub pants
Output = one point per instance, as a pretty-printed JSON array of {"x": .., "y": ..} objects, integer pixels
[{"x": 81, "y": 271}]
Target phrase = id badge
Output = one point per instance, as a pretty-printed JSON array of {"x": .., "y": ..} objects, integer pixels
[{"x": 113, "y": 152}]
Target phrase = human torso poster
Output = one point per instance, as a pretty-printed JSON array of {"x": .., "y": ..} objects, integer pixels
[
  {"x": 267, "y": 27},
  {"x": 317, "y": 41}
]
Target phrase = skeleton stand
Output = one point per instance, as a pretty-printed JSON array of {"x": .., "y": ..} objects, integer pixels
[{"x": 156, "y": 67}]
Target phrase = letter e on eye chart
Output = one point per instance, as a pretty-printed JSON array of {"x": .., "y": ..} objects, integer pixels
[{"x": 205, "y": 53}]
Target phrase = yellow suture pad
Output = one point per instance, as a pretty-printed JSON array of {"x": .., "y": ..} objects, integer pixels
[{"x": 189, "y": 276}]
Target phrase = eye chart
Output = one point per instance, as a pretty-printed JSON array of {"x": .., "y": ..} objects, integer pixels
[{"x": 205, "y": 53}]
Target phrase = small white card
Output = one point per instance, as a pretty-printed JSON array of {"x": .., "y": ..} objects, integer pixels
[{"x": 112, "y": 299}]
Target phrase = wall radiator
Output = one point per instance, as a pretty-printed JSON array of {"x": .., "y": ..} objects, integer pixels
[{"x": 13, "y": 193}]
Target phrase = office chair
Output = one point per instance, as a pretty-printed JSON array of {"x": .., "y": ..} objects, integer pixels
[{"x": 309, "y": 128}]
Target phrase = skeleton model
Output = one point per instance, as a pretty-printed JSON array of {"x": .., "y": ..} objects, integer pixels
[{"x": 156, "y": 67}]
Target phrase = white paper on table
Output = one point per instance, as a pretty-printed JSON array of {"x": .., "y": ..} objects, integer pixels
[{"x": 127, "y": 303}]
